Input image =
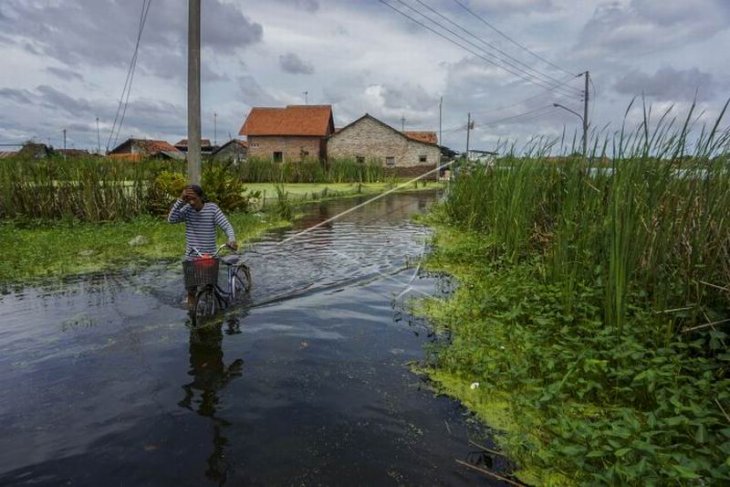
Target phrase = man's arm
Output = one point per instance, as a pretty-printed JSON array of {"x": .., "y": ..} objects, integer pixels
[
  {"x": 222, "y": 221},
  {"x": 178, "y": 211}
]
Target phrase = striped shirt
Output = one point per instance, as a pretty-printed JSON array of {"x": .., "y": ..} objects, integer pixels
[{"x": 200, "y": 226}]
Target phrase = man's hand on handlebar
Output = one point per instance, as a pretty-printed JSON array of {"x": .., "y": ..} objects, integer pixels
[{"x": 233, "y": 245}]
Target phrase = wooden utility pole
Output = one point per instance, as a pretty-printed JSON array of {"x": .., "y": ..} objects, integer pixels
[
  {"x": 98, "y": 137},
  {"x": 215, "y": 129},
  {"x": 585, "y": 116},
  {"x": 403, "y": 123},
  {"x": 194, "y": 91},
  {"x": 64, "y": 144}
]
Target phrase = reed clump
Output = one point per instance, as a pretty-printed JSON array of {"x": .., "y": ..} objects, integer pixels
[
  {"x": 597, "y": 299},
  {"x": 256, "y": 170}
]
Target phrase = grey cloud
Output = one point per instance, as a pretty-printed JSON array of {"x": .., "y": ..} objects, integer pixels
[
  {"x": 65, "y": 74},
  {"x": 618, "y": 29},
  {"x": 52, "y": 98},
  {"x": 17, "y": 96},
  {"x": 408, "y": 96},
  {"x": 253, "y": 94},
  {"x": 668, "y": 84},
  {"x": 506, "y": 7},
  {"x": 307, "y": 5},
  {"x": 291, "y": 63},
  {"x": 109, "y": 39},
  {"x": 149, "y": 118}
]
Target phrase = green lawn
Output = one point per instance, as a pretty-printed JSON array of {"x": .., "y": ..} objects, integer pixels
[{"x": 53, "y": 250}]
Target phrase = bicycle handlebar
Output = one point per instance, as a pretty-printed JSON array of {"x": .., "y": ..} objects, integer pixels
[{"x": 193, "y": 249}]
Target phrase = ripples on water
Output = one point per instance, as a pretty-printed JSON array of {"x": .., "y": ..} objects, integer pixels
[{"x": 306, "y": 385}]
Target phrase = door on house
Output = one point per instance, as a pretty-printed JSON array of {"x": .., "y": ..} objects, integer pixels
[{"x": 278, "y": 156}]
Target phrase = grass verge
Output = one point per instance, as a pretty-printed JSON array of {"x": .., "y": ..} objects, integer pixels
[
  {"x": 53, "y": 250},
  {"x": 574, "y": 401}
]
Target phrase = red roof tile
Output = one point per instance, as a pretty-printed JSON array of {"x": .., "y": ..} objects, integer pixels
[
  {"x": 422, "y": 136},
  {"x": 156, "y": 146},
  {"x": 147, "y": 146},
  {"x": 302, "y": 120}
]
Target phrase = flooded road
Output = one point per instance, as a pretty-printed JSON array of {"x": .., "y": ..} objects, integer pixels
[{"x": 105, "y": 383}]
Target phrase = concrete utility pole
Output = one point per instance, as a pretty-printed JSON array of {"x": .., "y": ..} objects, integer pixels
[
  {"x": 306, "y": 102},
  {"x": 215, "y": 129},
  {"x": 64, "y": 144},
  {"x": 468, "y": 128},
  {"x": 403, "y": 123},
  {"x": 194, "y": 91},
  {"x": 441, "y": 102},
  {"x": 585, "y": 117},
  {"x": 98, "y": 137}
]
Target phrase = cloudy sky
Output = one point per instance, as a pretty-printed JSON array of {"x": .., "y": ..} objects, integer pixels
[{"x": 65, "y": 63}]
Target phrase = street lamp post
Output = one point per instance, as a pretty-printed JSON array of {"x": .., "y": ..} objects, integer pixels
[{"x": 585, "y": 126}]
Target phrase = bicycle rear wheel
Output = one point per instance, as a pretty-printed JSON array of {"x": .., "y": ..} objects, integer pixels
[
  {"x": 241, "y": 280},
  {"x": 207, "y": 303}
]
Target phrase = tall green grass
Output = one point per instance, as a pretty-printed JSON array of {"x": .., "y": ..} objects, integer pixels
[
  {"x": 98, "y": 189},
  {"x": 651, "y": 216},
  {"x": 257, "y": 170},
  {"x": 90, "y": 189},
  {"x": 596, "y": 299}
]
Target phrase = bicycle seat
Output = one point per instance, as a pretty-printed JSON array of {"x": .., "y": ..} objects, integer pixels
[{"x": 232, "y": 259}]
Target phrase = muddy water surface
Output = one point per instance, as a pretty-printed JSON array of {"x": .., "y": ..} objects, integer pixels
[{"x": 105, "y": 383}]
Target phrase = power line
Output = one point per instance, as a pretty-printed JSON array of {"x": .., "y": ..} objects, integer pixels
[
  {"x": 526, "y": 67},
  {"x": 127, "y": 89},
  {"x": 541, "y": 110},
  {"x": 520, "y": 102},
  {"x": 525, "y": 116},
  {"x": 510, "y": 39},
  {"x": 481, "y": 56}
]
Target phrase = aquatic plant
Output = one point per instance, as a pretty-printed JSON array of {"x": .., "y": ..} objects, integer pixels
[{"x": 594, "y": 296}]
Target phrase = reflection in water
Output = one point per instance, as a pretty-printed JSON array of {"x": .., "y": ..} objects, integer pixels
[{"x": 210, "y": 375}]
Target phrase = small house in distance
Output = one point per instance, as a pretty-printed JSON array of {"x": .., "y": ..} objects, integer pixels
[
  {"x": 205, "y": 146},
  {"x": 232, "y": 151},
  {"x": 293, "y": 133},
  {"x": 137, "y": 149},
  {"x": 369, "y": 139}
]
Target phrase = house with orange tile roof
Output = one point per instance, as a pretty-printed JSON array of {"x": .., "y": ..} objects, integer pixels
[
  {"x": 293, "y": 133},
  {"x": 367, "y": 139},
  {"x": 137, "y": 149}
]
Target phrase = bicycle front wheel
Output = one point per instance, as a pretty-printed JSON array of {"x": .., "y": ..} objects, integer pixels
[
  {"x": 241, "y": 281},
  {"x": 207, "y": 303}
]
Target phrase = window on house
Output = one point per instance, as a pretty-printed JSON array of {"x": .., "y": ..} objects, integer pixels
[
  {"x": 254, "y": 144},
  {"x": 390, "y": 161},
  {"x": 360, "y": 159},
  {"x": 422, "y": 158},
  {"x": 278, "y": 156}
]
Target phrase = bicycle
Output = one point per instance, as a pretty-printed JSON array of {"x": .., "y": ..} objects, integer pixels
[{"x": 201, "y": 272}]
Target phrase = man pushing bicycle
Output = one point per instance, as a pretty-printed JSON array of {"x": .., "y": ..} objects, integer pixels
[{"x": 201, "y": 218}]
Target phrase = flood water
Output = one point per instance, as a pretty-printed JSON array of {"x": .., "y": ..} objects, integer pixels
[{"x": 105, "y": 383}]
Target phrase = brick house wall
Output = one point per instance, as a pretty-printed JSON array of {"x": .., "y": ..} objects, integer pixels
[
  {"x": 374, "y": 141},
  {"x": 291, "y": 147}
]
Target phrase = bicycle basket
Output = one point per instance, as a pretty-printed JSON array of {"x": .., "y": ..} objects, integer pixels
[{"x": 200, "y": 272}]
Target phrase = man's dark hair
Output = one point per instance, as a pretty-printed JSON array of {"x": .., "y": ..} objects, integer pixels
[{"x": 198, "y": 190}]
